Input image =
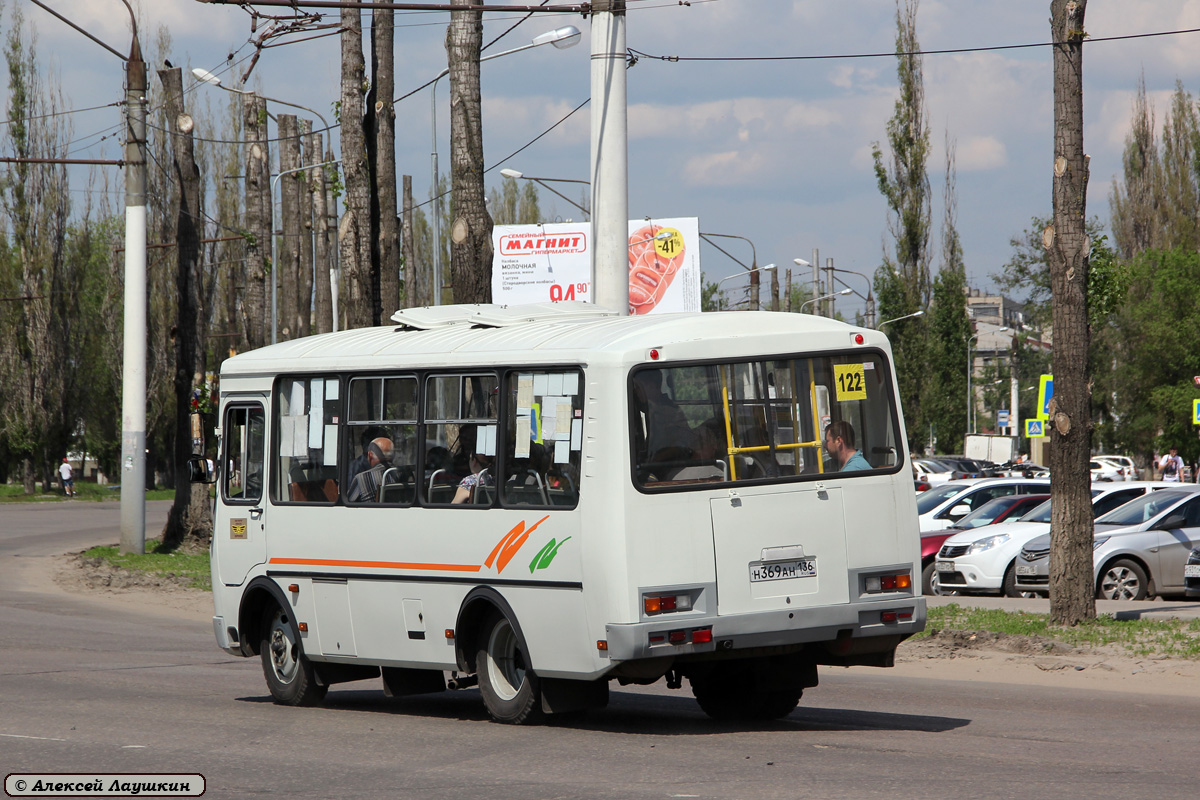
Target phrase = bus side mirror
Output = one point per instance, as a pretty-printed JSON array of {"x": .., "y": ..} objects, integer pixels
[{"x": 198, "y": 471}]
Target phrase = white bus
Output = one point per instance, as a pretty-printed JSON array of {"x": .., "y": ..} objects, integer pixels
[{"x": 544, "y": 499}]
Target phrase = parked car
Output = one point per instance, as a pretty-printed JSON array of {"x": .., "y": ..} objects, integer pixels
[
  {"x": 932, "y": 471},
  {"x": 1139, "y": 550},
  {"x": 1124, "y": 463},
  {"x": 944, "y": 505},
  {"x": 1191, "y": 574},
  {"x": 1106, "y": 471},
  {"x": 994, "y": 511},
  {"x": 984, "y": 561}
]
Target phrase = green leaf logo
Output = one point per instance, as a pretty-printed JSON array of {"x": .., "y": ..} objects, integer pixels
[{"x": 546, "y": 554}]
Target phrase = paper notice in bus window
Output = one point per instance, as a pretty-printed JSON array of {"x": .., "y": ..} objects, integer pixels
[
  {"x": 539, "y": 384},
  {"x": 487, "y": 442},
  {"x": 535, "y": 423},
  {"x": 300, "y": 447},
  {"x": 287, "y": 436},
  {"x": 562, "y": 454},
  {"x": 549, "y": 423},
  {"x": 562, "y": 418},
  {"x": 524, "y": 391},
  {"x": 554, "y": 383},
  {"x": 331, "y": 390},
  {"x": 849, "y": 383},
  {"x": 521, "y": 449},
  {"x": 570, "y": 385},
  {"x": 316, "y": 413},
  {"x": 296, "y": 404},
  {"x": 576, "y": 434},
  {"x": 330, "y": 459}
]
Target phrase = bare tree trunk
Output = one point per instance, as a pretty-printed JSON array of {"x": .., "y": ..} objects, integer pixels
[
  {"x": 471, "y": 231},
  {"x": 256, "y": 308},
  {"x": 189, "y": 520},
  {"x": 1072, "y": 590},
  {"x": 304, "y": 286},
  {"x": 413, "y": 279},
  {"x": 354, "y": 230},
  {"x": 383, "y": 86},
  {"x": 322, "y": 253},
  {"x": 287, "y": 253}
]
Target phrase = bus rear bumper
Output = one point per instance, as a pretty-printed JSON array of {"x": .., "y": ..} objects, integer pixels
[{"x": 855, "y": 633}]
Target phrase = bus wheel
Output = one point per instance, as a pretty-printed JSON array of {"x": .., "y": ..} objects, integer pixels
[
  {"x": 509, "y": 687},
  {"x": 730, "y": 693},
  {"x": 289, "y": 673}
]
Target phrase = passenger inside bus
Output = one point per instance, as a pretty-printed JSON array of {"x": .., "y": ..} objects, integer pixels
[
  {"x": 839, "y": 442},
  {"x": 366, "y": 483},
  {"x": 477, "y": 482},
  {"x": 665, "y": 429}
]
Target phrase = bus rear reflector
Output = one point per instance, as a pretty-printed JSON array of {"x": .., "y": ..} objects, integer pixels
[{"x": 702, "y": 636}]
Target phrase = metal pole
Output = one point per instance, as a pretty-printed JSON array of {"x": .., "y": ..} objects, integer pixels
[
  {"x": 133, "y": 381},
  {"x": 436, "y": 196},
  {"x": 816, "y": 279},
  {"x": 609, "y": 158}
]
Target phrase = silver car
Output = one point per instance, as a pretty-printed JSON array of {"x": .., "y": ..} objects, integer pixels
[{"x": 1139, "y": 549}]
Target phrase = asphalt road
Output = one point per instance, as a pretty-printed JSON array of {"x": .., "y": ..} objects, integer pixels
[{"x": 89, "y": 687}]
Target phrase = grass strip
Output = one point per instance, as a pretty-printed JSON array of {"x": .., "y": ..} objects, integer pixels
[
  {"x": 1173, "y": 638},
  {"x": 192, "y": 568},
  {"x": 15, "y": 493}
]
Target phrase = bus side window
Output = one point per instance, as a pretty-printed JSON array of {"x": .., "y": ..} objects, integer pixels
[
  {"x": 459, "y": 439},
  {"x": 305, "y": 462},
  {"x": 244, "y": 447},
  {"x": 543, "y": 430},
  {"x": 381, "y": 441}
]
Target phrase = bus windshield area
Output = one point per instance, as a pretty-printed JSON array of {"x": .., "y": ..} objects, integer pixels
[{"x": 772, "y": 420}]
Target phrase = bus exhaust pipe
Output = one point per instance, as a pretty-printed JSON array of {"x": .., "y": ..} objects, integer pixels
[{"x": 457, "y": 682}]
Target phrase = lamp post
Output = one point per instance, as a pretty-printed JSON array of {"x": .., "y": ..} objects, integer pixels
[
  {"x": 752, "y": 269},
  {"x": 561, "y": 38},
  {"x": 517, "y": 175},
  {"x": 970, "y": 369},
  {"x": 767, "y": 268},
  {"x": 274, "y": 273},
  {"x": 204, "y": 76},
  {"x": 920, "y": 313},
  {"x": 824, "y": 297}
]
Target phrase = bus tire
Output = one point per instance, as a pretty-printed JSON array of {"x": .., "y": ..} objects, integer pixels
[
  {"x": 730, "y": 693},
  {"x": 290, "y": 675},
  {"x": 506, "y": 680}
]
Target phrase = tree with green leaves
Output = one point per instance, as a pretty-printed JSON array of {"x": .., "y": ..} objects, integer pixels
[
  {"x": 902, "y": 283},
  {"x": 948, "y": 330}
]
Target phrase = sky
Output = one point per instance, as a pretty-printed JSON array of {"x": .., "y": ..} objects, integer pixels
[{"x": 777, "y": 151}]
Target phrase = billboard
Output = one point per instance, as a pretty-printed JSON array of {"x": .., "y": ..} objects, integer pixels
[{"x": 552, "y": 262}]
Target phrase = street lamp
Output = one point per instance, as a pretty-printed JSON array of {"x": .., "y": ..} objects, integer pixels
[
  {"x": 205, "y": 76},
  {"x": 753, "y": 268},
  {"x": 516, "y": 175},
  {"x": 970, "y": 369},
  {"x": 561, "y": 38},
  {"x": 823, "y": 297},
  {"x": 767, "y": 268},
  {"x": 920, "y": 313}
]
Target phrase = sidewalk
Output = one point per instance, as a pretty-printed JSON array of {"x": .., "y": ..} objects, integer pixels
[{"x": 1119, "y": 609}]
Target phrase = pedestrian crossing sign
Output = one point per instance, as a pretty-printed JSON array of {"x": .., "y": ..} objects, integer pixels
[
  {"x": 1035, "y": 428},
  {"x": 1196, "y": 412}
]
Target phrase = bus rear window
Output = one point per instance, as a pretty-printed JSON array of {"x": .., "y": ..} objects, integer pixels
[{"x": 763, "y": 421}]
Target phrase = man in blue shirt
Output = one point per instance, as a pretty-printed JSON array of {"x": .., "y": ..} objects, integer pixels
[{"x": 839, "y": 443}]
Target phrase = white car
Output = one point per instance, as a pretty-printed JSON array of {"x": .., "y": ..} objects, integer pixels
[
  {"x": 1124, "y": 462},
  {"x": 985, "y": 560},
  {"x": 944, "y": 505},
  {"x": 1103, "y": 470},
  {"x": 932, "y": 471},
  {"x": 1140, "y": 549}
]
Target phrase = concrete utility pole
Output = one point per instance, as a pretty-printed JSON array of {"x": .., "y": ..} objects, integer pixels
[
  {"x": 133, "y": 382},
  {"x": 610, "y": 158}
]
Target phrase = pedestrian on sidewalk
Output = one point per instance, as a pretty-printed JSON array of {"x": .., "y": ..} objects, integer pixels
[{"x": 68, "y": 478}]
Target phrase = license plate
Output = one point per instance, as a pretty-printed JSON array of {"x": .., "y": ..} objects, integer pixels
[
  {"x": 1026, "y": 569},
  {"x": 1191, "y": 571},
  {"x": 783, "y": 570},
  {"x": 945, "y": 566}
]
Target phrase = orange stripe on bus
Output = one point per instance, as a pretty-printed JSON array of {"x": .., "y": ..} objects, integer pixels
[{"x": 331, "y": 562}]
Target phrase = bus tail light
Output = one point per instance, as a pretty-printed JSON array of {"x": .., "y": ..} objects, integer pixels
[
  {"x": 904, "y": 615},
  {"x": 896, "y": 582},
  {"x": 702, "y": 636},
  {"x": 659, "y": 604}
]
